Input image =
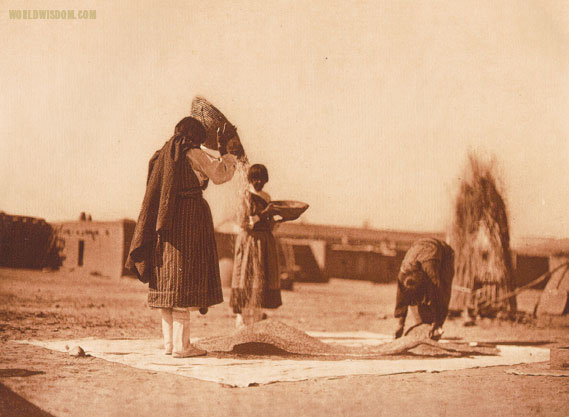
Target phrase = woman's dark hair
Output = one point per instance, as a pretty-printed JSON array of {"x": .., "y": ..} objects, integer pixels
[
  {"x": 191, "y": 131},
  {"x": 258, "y": 172}
]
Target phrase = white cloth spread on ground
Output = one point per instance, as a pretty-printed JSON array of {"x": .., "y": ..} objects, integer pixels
[{"x": 148, "y": 355}]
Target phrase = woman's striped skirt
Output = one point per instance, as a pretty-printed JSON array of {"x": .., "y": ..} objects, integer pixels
[{"x": 186, "y": 271}]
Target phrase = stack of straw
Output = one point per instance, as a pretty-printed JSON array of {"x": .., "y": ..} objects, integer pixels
[{"x": 481, "y": 240}]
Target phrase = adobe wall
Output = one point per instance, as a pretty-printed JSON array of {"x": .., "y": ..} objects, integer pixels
[{"x": 97, "y": 248}]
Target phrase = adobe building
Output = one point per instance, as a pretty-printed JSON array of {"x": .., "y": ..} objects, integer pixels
[
  {"x": 376, "y": 255},
  {"x": 296, "y": 257},
  {"x": 308, "y": 252},
  {"x": 350, "y": 252},
  {"x": 26, "y": 242},
  {"x": 302, "y": 260},
  {"x": 93, "y": 247},
  {"x": 533, "y": 257}
]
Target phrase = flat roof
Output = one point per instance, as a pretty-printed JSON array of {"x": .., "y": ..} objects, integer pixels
[{"x": 527, "y": 246}]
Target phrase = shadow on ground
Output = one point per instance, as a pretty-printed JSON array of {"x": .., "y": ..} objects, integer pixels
[
  {"x": 12, "y": 405},
  {"x": 17, "y": 372}
]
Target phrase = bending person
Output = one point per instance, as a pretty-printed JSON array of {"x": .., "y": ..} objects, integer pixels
[{"x": 425, "y": 282}]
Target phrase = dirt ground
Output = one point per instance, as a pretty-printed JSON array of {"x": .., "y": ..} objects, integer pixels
[{"x": 56, "y": 305}]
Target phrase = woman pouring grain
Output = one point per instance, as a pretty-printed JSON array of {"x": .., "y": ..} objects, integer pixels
[{"x": 173, "y": 248}]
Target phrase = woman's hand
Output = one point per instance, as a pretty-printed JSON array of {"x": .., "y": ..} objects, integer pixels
[
  {"x": 221, "y": 147},
  {"x": 234, "y": 147},
  {"x": 436, "y": 332},
  {"x": 399, "y": 331},
  {"x": 400, "y": 328}
]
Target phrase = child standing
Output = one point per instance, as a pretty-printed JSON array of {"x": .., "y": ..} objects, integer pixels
[{"x": 255, "y": 283}]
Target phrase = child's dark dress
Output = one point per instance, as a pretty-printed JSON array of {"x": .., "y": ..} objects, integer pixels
[{"x": 255, "y": 282}]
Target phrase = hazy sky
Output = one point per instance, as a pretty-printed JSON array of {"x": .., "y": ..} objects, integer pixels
[{"x": 364, "y": 109}]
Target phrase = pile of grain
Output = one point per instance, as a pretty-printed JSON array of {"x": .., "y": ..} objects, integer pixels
[{"x": 271, "y": 337}]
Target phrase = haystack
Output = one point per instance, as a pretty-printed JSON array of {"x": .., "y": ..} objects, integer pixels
[{"x": 481, "y": 240}]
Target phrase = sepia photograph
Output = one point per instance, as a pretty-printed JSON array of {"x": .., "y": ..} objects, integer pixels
[{"x": 284, "y": 208}]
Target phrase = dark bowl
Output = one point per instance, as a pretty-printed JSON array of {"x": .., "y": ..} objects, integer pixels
[{"x": 288, "y": 209}]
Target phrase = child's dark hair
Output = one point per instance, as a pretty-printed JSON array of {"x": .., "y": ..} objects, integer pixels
[{"x": 258, "y": 172}]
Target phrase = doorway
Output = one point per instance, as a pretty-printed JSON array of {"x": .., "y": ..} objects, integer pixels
[{"x": 81, "y": 252}]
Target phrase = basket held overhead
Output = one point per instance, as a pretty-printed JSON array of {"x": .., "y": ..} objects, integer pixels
[{"x": 214, "y": 120}]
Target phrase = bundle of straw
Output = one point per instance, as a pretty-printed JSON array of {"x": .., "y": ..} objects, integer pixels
[{"x": 481, "y": 239}]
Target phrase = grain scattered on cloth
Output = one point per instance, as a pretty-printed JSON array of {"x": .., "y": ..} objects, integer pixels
[
  {"x": 238, "y": 372},
  {"x": 272, "y": 333},
  {"x": 538, "y": 369}
]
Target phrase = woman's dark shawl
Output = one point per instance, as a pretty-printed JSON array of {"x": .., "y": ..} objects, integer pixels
[{"x": 156, "y": 212}]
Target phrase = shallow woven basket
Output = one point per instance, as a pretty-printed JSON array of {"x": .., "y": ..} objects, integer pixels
[
  {"x": 212, "y": 119},
  {"x": 288, "y": 209}
]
